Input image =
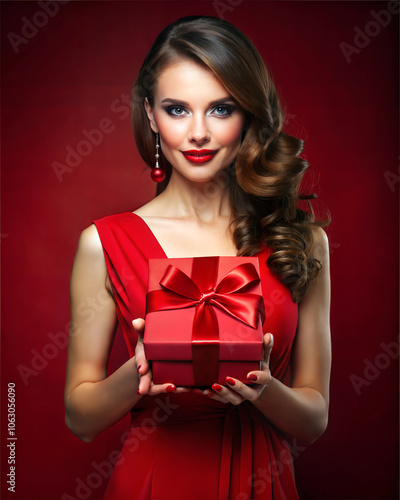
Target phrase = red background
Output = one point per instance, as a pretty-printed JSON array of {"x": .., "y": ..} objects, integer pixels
[{"x": 68, "y": 77}]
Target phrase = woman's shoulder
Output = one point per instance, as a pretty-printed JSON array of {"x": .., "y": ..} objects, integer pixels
[
  {"x": 89, "y": 243},
  {"x": 89, "y": 261},
  {"x": 320, "y": 244},
  {"x": 319, "y": 235},
  {"x": 113, "y": 219},
  {"x": 92, "y": 238},
  {"x": 105, "y": 236}
]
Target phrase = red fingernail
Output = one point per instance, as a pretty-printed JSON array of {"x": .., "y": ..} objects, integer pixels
[
  {"x": 216, "y": 387},
  {"x": 230, "y": 380},
  {"x": 209, "y": 394},
  {"x": 170, "y": 388},
  {"x": 138, "y": 368},
  {"x": 138, "y": 392},
  {"x": 252, "y": 376}
]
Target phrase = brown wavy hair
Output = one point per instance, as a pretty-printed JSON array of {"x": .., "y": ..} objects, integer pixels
[{"x": 264, "y": 180}]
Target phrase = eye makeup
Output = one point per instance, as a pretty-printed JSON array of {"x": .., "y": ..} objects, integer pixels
[{"x": 221, "y": 110}]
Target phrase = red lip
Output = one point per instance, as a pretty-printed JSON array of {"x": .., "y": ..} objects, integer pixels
[{"x": 200, "y": 155}]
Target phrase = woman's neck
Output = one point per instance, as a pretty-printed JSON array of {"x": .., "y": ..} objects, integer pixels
[{"x": 204, "y": 201}]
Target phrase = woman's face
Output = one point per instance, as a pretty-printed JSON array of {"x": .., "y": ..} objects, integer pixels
[{"x": 199, "y": 123}]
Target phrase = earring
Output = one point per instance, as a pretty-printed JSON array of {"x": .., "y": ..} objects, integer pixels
[{"x": 157, "y": 173}]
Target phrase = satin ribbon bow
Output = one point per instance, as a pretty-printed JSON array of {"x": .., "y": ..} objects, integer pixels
[{"x": 229, "y": 294}]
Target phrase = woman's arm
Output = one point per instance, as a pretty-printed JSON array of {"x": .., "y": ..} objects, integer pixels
[
  {"x": 93, "y": 401},
  {"x": 302, "y": 409}
]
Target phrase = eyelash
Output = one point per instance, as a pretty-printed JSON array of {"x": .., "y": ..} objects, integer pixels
[{"x": 228, "y": 110}]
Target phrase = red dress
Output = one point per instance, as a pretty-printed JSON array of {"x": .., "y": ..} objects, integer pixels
[{"x": 187, "y": 446}]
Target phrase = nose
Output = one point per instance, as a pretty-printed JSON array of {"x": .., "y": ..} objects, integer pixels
[{"x": 199, "y": 132}]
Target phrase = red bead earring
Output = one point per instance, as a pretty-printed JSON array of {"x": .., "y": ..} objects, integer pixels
[{"x": 157, "y": 173}]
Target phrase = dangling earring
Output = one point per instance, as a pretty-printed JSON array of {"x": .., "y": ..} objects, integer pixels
[{"x": 157, "y": 173}]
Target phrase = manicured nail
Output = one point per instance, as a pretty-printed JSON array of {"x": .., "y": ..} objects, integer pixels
[
  {"x": 138, "y": 368},
  {"x": 138, "y": 392},
  {"x": 230, "y": 380},
  {"x": 209, "y": 394},
  {"x": 252, "y": 377},
  {"x": 170, "y": 388},
  {"x": 216, "y": 387}
]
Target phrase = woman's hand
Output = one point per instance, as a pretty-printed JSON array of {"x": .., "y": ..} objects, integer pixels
[
  {"x": 146, "y": 385},
  {"x": 236, "y": 392}
]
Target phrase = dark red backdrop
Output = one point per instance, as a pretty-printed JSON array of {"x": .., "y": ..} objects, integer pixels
[{"x": 68, "y": 72}]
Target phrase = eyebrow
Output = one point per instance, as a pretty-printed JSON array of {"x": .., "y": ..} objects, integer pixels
[{"x": 184, "y": 103}]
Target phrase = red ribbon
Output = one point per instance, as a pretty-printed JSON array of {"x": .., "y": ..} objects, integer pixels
[{"x": 202, "y": 292}]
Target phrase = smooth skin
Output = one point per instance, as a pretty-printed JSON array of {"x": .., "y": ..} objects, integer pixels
[{"x": 191, "y": 110}]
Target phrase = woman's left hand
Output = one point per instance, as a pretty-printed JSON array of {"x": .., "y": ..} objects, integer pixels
[{"x": 236, "y": 392}]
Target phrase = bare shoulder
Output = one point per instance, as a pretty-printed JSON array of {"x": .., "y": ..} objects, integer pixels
[
  {"x": 319, "y": 236},
  {"x": 320, "y": 245},
  {"x": 89, "y": 262},
  {"x": 89, "y": 243}
]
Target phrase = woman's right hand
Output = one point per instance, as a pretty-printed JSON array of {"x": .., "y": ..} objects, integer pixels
[{"x": 146, "y": 385}]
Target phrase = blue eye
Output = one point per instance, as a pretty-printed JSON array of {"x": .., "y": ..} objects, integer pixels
[
  {"x": 175, "y": 110},
  {"x": 223, "y": 110}
]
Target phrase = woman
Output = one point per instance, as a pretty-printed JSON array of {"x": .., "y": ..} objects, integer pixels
[{"x": 207, "y": 115}]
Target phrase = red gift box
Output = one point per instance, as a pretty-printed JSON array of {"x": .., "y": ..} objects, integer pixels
[{"x": 204, "y": 319}]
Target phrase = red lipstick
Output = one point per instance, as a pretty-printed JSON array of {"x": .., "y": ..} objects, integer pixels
[{"x": 200, "y": 155}]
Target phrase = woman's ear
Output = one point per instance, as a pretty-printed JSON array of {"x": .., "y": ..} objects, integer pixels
[{"x": 150, "y": 116}]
